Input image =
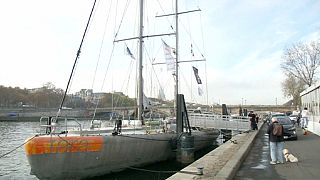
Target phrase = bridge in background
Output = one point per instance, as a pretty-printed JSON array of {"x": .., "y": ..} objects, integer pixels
[{"x": 203, "y": 120}]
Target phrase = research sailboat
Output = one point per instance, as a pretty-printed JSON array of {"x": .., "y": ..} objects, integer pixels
[{"x": 66, "y": 150}]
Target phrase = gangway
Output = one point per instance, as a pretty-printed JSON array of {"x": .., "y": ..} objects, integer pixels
[{"x": 227, "y": 122}]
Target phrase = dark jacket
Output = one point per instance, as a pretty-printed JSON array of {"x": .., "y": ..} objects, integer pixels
[{"x": 272, "y": 137}]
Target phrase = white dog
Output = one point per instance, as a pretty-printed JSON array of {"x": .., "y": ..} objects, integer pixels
[{"x": 288, "y": 156}]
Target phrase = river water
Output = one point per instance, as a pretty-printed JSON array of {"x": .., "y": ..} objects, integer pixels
[
  {"x": 15, "y": 165},
  {"x": 12, "y": 135}
]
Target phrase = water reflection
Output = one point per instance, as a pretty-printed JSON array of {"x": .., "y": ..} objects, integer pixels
[{"x": 12, "y": 135}]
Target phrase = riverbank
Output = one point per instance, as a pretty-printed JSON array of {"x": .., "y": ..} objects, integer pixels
[
  {"x": 34, "y": 114},
  {"x": 306, "y": 149}
]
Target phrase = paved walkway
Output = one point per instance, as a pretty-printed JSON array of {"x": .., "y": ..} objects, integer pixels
[
  {"x": 221, "y": 163},
  {"x": 306, "y": 149}
]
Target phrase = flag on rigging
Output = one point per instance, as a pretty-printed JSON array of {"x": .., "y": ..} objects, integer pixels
[
  {"x": 129, "y": 53},
  {"x": 195, "y": 70},
  {"x": 200, "y": 92},
  {"x": 192, "y": 53},
  {"x": 168, "y": 56}
]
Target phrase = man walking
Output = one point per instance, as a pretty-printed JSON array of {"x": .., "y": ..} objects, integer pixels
[
  {"x": 253, "y": 122},
  {"x": 304, "y": 117},
  {"x": 275, "y": 131}
]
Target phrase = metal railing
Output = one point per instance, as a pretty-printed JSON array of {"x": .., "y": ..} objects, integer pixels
[
  {"x": 60, "y": 125},
  {"x": 240, "y": 123}
]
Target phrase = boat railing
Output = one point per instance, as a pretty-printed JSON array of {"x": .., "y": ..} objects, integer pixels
[{"x": 59, "y": 125}]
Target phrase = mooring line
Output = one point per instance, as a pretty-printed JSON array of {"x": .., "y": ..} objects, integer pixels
[{"x": 1, "y": 156}]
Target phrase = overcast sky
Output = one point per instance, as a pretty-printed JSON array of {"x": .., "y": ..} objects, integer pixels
[{"x": 242, "y": 41}]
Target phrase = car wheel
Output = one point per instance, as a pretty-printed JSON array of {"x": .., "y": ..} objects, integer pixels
[{"x": 296, "y": 138}]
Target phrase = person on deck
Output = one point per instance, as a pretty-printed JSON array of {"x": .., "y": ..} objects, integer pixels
[{"x": 276, "y": 143}]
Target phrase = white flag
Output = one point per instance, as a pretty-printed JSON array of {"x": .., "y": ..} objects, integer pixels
[{"x": 169, "y": 57}]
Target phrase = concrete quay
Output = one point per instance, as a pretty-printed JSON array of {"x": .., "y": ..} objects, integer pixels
[
  {"x": 249, "y": 158},
  {"x": 222, "y": 162},
  {"x": 306, "y": 149}
]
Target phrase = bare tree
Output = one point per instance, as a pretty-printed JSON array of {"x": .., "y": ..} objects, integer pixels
[
  {"x": 302, "y": 61},
  {"x": 292, "y": 87}
]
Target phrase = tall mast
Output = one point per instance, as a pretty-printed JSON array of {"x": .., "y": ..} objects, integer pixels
[
  {"x": 177, "y": 60},
  {"x": 176, "y": 87},
  {"x": 140, "y": 80}
]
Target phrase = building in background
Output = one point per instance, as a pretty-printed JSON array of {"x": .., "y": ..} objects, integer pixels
[{"x": 310, "y": 98}]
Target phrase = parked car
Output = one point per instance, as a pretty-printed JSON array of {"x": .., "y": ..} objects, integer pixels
[
  {"x": 288, "y": 127},
  {"x": 293, "y": 118},
  {"x": 268, "y": 119}
]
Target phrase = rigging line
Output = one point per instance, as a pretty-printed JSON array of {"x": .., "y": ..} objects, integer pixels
[
  {"x": 158, "y": 51},
  {"x": 152, "y": 67},
  {"x": 94, "y": 12},
  {"x": 115, "y": 19},
  {"x": 129, "y": 76},
  {"x": 123, "y": 14},
  {"x": 152, "y": 171},
  {"x": 184, "y": 78},
  {"x": 189, "y": 34},
  {"x": 204, "y": 50},
  {"x": 188, "y": 21},
  {"x": 167, "y": 18},
  {"x": 125, "y": 82},
  {"x": 128, "y": 79},
  {"x": 1, "y": 156},
  {"x": 110, "y": 57},
  {"x": 155, "y": 171},
  {"x": 119, "y": 100},
  {"x": 202, "y": 36},
  {"x": 101, "y": 45},
  {"x": 183, "y": 27},
  {"x": 65, "y": 140},
  {"x": 108, "y": 65},
  {"x": 116, "y": 33},
  {"x": 76, "y": 59},
  {"x": 106, "y": 72},
  {"x": 207, "y": 93}
]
